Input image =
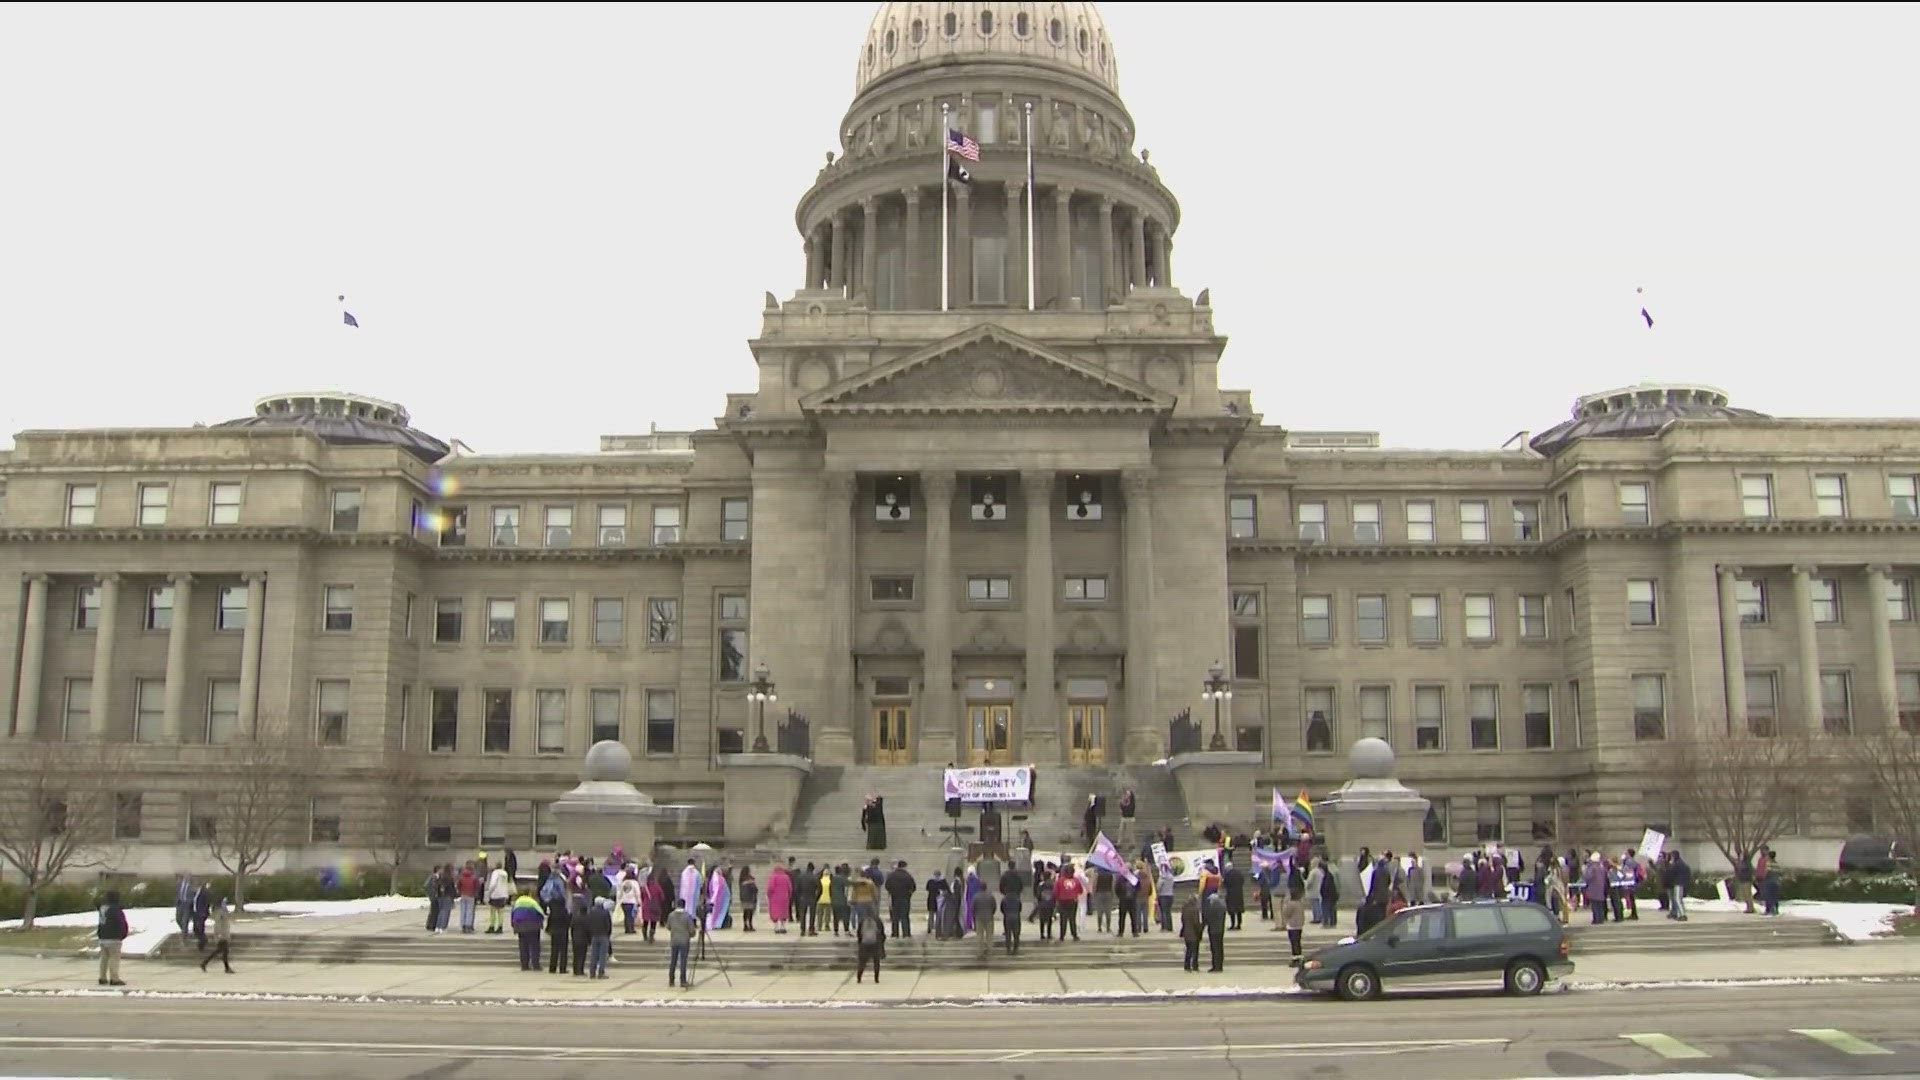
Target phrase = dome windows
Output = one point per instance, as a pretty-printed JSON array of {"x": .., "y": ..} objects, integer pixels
[
  {"x": 1057, "y": 32},
  {"x": 986, "y": 22},
  {"x": 951, "y": 25},
  {"x": 1022, "y": 26},
  {"x": 917, "y": 33},
  {"x": 1082, "y": 37},
  {"x": 891, "y": 41},
  {"x": 869, "y": 54}
]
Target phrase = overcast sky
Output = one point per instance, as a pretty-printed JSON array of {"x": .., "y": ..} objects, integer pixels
[{"x": 555, "y": 222}]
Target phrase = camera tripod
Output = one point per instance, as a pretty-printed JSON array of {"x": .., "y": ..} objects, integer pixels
[{"x": 700, "y": 953}]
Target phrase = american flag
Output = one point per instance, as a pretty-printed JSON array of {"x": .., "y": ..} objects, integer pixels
[{"x": 960, "y": 144}]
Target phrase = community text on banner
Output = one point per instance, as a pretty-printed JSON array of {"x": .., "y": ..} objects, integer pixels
[{"x": 990, "y": 784}]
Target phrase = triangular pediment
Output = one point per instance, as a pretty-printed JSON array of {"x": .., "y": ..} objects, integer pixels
[{"x": 986, "y": 369}]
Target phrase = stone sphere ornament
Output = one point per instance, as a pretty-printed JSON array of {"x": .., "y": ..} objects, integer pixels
[
  {"x": 607, "y": 761},
  {"x": 1371, "y": 759}
]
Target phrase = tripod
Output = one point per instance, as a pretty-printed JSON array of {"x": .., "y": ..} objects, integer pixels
[{"x": 700, "y": 953}]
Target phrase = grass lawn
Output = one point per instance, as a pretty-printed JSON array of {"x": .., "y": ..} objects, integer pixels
[
  {"x": 1906, "y": 926},
  {"x": 47, "y": 937}
]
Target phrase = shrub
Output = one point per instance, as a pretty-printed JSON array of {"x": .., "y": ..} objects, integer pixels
[
  {"x": 1816, "y": 885},
  {"x": 65, "y": 899}
]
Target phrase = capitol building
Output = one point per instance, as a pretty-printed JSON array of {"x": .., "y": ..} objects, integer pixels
[{"x": 1020, "y": 522}]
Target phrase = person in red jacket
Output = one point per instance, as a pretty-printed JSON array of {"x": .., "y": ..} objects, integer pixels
[
  {"x": 1067, "y": 890},
  {"x": 469, "y": 887}
]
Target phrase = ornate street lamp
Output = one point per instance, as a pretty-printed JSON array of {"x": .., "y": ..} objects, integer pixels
[
  {"x": 1217, "y": 688},
  {"x": 760, "y": 692}
]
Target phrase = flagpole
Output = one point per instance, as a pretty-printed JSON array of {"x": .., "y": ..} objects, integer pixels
[
  {"x": 946, "y": 127},
  {"x": 1030, "y": 201}
]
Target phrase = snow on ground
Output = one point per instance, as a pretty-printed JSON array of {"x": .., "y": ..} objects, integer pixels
[
  {"x": 372, "y": 905},
  {"x": 1855, "y": 922},
  {"x": 148, "y": 927}
]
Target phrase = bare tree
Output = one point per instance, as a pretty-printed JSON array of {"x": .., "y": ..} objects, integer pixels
[
  {"x": 57, "y": 812},
  {"x": 1887, "y": 766},
  {"x": 260, "y": 789},
  {"x": 1742, "y": 791},
  {"x": 398, "y": 826}
]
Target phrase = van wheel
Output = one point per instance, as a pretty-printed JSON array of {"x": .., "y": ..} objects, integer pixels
[
  {"x": 1525, "y": 977},
  {"x": 1358, "y": 983}
]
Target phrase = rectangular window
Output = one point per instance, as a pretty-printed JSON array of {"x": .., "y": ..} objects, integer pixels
[
  {"x": 418, "y": 521},
  {"x": 439, "y": 829},
  {"x": 1376, "y": 713},
  {"x": 1420, "y": 522},
  {"x": 77, "y": 719},
  {"x": 451, "y": 522},
  {"x": 506, "y": 526},
  {"x": 1750, "y": 597},
  {"x": 1904, "y": 493},
  {"x": 501, "y": 614},
  {"x": 1370, "y": 619},
  {"x": 203, "y": 818},
  {"x": 1316, "y": 619},
  {"x": 1473, "y": 522},
  {"x": 1649, "y": 707},
  {"x": 223, "y": 503},
  {"x": 1573, "y": 612},
  {"x": 159, "y": 607},
  {"x": 1479, "y": 617},
  {"x": 1536, "y": 709},
  {"x": 546, "y": 834},
  {"x": 86, "y": 608},
  {"x": 323, "y": 819},
  {"x": 1246, "y": 652},
  {"x": 549, "y": 721},
  {"x": 1826, "y": 599},
  {"x": 613, "y": 526},
  {"x": 1242, "y": 522},
  {"x": 990, "y": 269},
  {"x": 733, "y": 654},
  {"x": 1483, "y": 717},
  {"x": 1486, "y": 819},
  {"x": 1319, "y": 719},
  {"x": 559, "y": 527},
  {"x": 661, "y": 721},
  {"x": 986, "y": 122},
  {"x": 82, "y": 501},
  {"x": 444, "y": 736},
  {"x": 609, "y": 620},
  {"x": 1836, "y": 702},
  {"x": 1899, "y": 599},
  {"x": 1423, "y": 619},
  {"x": 663, "y": 620},
  {"x": 149, "y": 709},
  {"x": 1546, "y": 817},
  {"x": 406, "y": 717},
  {"x": 339, "y": 609},
  {"x": 331, "y": 722},
  {"x": 346, "y": 510},
  {"x": 1433, "y": 830},
  {"x": 493, "y": 823},
  {"x": 604, "y": 719},
  {"x": 1429, "y": 717},
  {"x": 733, "y": 607},
  {"x": 448, "y": 612},
  {"x": 1366, "y": 523},
  {"x": 1763, "y": 704},
  {"x": 1756, "y": 496},
  {"x": 126, "y": 816},
  {"x": 735, "y": 517},
  {"x": 153, "y": 504},
  {"x": 666, "y": 525},
  {"x": 496, "y": 736},
  {"x": 406, "y": 617},
  {"x": 1312, "y": 518},
  {"x": 223, "y": 711},
  {"x": 1643, "y": 602},
  {"x": 981, "y": 589},
  {"x": 1830, "y": 495},
  {"x": 891, "y": 589},
  {"x": 1092, "y": 588},
  {"x": 1533, "y": 618},
  {"x": 1581, "y": 737},
  {"x": 1566, "y": 510},
  {"x": 1526, "y": 521},
  {"x": 1907, "y": 684},
  {"x": 1245, "y": 604},
  {"x": 556, "y": 621},
  {"x": 1858, "y": 811},
  {"x": 1636, "y": 503}
]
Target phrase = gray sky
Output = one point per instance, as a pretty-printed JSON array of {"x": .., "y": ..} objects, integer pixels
[{"x": 555, "y": 222}]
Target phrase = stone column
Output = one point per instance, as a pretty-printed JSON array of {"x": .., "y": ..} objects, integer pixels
[
  {"x": 962, "y": 284},
  {"x": 1144, "y": 733},
  {"x": 103, "y": 641},
  {"x": 937, "y": 732},
  {"x": 1137, "y": 247},
  {"x": 1041, "y": 726},
  {"x": 250, "y": 654},
  {"x": 1108, "y": 273},
  {"x": 915, "y": 292},
  {"x": 869, "y": 246},
  {"x": 814, "y": 251},
  {"x": 1162, "y": 253},
  {"x": 33, "y": 655},
  {"x": 1733, "y": 653},
  {"x": 1016, "y": 251},
  {"x": 1805, "y": 637},
  {"x": 1063, "y": 245},
  {"x": 178, "y": 658},
  {"x": 842, "y": 570},
  {"x": 837, "y": 265},
  {"x": 1886, "y": 685}
]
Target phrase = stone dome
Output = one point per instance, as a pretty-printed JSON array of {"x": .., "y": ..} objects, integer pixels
[
  {"x": 1371, "y": 759},
  {"x": 1071, "y": 37},
  {"x": 1637, "y": 412},
  {"x": 607, "y": 761}
]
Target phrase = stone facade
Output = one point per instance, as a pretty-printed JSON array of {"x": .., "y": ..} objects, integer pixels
[{"x": 966, "y": 527}]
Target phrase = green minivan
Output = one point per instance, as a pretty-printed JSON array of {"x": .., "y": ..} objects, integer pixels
[{"x": 1519, "y": 943}]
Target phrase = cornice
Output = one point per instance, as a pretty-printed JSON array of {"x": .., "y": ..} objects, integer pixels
[
  {"x": 317, "y": 538},
  {"x": 654, "y": 553}
]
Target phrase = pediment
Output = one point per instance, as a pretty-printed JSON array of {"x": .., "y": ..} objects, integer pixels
[{"x": 987, "y": 369}]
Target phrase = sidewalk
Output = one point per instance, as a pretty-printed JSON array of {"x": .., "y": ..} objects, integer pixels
[{"x": 633, "y": 985}]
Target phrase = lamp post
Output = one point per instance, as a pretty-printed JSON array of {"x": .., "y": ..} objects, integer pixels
[
  {"x": 760, "y": 692},
  {"x": 1217, "y": 689}
]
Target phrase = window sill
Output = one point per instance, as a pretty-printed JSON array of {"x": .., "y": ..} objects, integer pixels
[
  {"x": 1375, "y": 646},
  {"x": 445, "y": 646},
  {"x": 554, "y": 646},
  {"x": 1482, "y": 643},
  {"x": 662, "y": 646},
  {"x": 1428, "y": 645},
  {"x": 609, "y": 646}
]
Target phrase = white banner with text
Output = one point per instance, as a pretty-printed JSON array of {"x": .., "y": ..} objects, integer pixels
[{"x": 990, "y": 784}]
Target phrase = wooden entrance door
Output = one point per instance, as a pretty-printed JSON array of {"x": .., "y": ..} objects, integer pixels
[
  {"x": 989, "y": 734},
  {"x": 892, "y": 735},
  {"x": 1087, "y": 734}
]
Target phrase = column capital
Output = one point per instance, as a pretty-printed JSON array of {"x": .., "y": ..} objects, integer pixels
[
  {"x": 1037, "y": 484},
  {"x": 1135, "y": 483},
  {"x": 107, "y": 579},
  {"x": 1729, "y": 572},
  {"x": 870, "y": 203},
  {"x": 839, "y": 217},
  {"x": 37, "y": 579},
  {"x": 1062, "y": 193},
  {"x": 179, "y": 578},
  {"x": 912, "y": 195},
  {"x": 1107, "y": 203},
  {"x": 1880, "y": 570},
  {"x": 1805, "y": 570},
  {"x": 938, "y": 485},
  {"x": 254, "y": 577}
]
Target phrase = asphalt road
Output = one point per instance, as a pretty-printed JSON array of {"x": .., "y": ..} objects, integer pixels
[{"x": 1854, "y": 1029}]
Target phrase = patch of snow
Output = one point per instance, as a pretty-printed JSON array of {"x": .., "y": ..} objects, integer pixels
[
  {"x": 372, "y": 905},
  {"x": 149, "y": 927},
  {"x": 1853, "y": 921}
]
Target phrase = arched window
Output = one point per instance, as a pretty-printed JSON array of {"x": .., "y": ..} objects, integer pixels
[
  {"x": 891, "y": 41},
  {"x": 917, "y": 33},
  {"x": 1021, "y": 27},
  {"x": 1083, "y": 39},
  {"x": 1057, "y": 32},
  {"x": 951, "y": 25},
  {"x": 869, "y": 54},
  {"x": 986, "y": 23}
]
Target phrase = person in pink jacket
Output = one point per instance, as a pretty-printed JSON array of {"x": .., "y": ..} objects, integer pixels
[
  {"x": 653, "y": 906},
  {"x": 779, "y": 898}
]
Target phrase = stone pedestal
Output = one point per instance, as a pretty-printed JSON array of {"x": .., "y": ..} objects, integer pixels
[
  {"x": 762, "y": 791},
  {"x": 1217, "y": 786},
  {"x": 605, "y": 811},
  {"x": 1372, "y": 811}
]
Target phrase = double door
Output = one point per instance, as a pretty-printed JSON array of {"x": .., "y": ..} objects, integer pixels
[
  {"x": 1087, "y": 734},
  {"x": 892, "y": 735},
  {"x": 989, "y": 734}
]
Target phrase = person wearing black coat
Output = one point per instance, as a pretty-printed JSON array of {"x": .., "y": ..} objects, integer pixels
[
  {"x": 1329, "y": 894},
  {"x": 202, "y": 909},
  {"x": 1123, "y": 897},
  {"x": 559, "y": 935},
  {"x": 581, "y": 927},
  {"x": 900, "y": 887},
  {"x": 936, "y": 892},
  {"x": 1234, "y": 884}
]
